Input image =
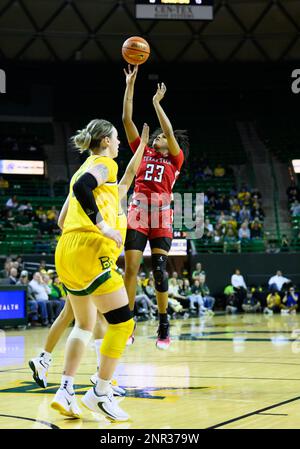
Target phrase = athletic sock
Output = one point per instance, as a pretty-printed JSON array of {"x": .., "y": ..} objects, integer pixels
[
  {"x": 67, "y": 383},
  {"x": 46, "y": 356},
  {"x": 102, "y": 387},
  {"x": 98, "y": 344},
  {"x": 163, "y": 318}
]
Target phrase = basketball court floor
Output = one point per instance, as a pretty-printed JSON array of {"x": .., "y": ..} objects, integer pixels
[{"x": 224, "y": 372}]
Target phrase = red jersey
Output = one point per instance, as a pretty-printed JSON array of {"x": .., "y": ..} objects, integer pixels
[{"x": 157, "y": 173}]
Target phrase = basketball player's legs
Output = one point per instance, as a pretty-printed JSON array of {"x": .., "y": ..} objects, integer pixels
[
  {"x": 40, "y": 365},
  {"x": 85, "y": 317},
  {"x": 115, "y": 309},
  {"x": 161, "y": 296},
  {"x": 160, "y": 247},
  {"x": 132, "y": 266}
]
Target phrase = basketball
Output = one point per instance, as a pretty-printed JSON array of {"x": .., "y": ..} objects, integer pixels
[{"x": 136, "y": 50}]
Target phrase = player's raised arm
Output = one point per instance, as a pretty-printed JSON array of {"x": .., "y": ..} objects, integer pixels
[
  {"x": 134, "y": 163},
  {"x": 165, "y": 123},
  {"x": 130, "y": 128}
]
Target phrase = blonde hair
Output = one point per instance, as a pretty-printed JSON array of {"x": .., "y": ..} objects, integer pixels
[{"x": 90, "y": 137}]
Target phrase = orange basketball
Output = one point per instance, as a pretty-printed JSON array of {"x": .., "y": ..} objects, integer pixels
[{"x": 136, "y": 50}]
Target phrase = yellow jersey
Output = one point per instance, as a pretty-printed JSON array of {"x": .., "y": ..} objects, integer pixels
[{"x": 106, "y": 197}]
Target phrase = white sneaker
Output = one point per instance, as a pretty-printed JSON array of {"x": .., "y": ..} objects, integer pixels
[
  {"x": 284, "y": 312},
  {"x": 39, "y": 368},
  {"x": 65, "y": 403},
  {"x": 105, "y": 404},
  {"x": 118, "y": 391}
]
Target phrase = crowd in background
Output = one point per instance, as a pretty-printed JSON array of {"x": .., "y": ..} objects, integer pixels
[
  {"x": 238, "y": 217},
  {"x": 188, "y": 294}
]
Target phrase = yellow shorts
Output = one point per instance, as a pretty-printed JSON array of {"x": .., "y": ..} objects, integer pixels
[{"x": 84, "y": 265}]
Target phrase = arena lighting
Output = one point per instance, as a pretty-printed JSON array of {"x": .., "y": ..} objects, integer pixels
[
  {"x": 296, "y": 165},
  {"x": 20, "y": 167}
]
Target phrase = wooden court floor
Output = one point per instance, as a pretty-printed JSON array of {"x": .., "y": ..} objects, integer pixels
[{"x": 226, "y": 372}]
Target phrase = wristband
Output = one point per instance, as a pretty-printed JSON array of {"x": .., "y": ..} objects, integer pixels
[{"x": 103, "y": 227}]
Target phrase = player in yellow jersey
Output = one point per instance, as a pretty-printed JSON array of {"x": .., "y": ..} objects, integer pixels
[
  {"x": 85, "y": 261},
  {"x": 40, "y": 365}
]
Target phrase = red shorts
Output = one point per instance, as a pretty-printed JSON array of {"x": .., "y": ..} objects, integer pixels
[{"x": 154, "y": 224}]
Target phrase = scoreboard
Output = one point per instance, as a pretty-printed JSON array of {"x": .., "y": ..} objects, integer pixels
[{"x": 174, "y": 9}]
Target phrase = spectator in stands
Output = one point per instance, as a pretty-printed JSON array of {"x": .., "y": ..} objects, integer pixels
[
  {"x": 43, "y": 265},
  {"x": 31, "y": 302},
  {"x": 174, "y": 278},
  {"x": 22, "y": 220},
  {"x": 208, "y": 301},
  {"x": 255, "y": 229},
  {"x": 150, "y": 290},
  {"x": 277, "y": 281},
  {"x": 244, "y": 214},
  {"x": 207, "y": 172},
  {"x": 13, "y": 276},
  {"x": 257, "y": 212},
  {"x": 244, "y": 232},
  {"x": 290, "y": 300},
  {"x": 197, "y": 272},
  {"x": 231, "y": 304},
  {"x": 144, "y": 304},
  {"x": 222, "y": 204},
  {"x": 40, "y": 291},
  {"x": 238, "y": 281},
  {"x": 4, "y": 185},
  {"x": 250, "y": 303},
  {"x": 44, "y": 225},
  {"x": 208, "y": 227},
  {"x": 239, "y": 285},
  {"x": 5, "y": 273},
  {"x": 196, "y": 297},
  {"x": 12, "y": 203},
  {"x": 273, "y": 303},
  {"x": 56, "y": 296},
  {"x": 219, "y": 171},
  {"x": 230, "y": 241},
  {"x": 10, "y": 220},
  {"x": 295, "y": 209},
  {"x": 285, "y": 243},
  {"x": 40, "y": 212},
  {"x": 52, "y": 215},
  {"x": 293, "y": 193}
]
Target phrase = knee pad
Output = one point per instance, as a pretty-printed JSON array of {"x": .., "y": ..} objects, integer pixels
[
  {"x": 159, "y": 267},
  {"x": 80, "y": 334},
  {"x": 116, "y": 338}
]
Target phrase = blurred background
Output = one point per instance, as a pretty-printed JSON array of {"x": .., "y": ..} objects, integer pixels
[{"x": 229, "y": 84}]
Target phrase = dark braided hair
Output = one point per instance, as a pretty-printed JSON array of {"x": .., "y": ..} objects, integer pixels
[{"x": 181, "y": 137}]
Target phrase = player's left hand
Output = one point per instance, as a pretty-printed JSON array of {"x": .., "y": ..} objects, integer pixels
[{"x": 160, "y": 93}]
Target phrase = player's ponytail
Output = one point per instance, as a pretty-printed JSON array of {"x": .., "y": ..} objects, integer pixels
[{"x": 89, "y": 138}]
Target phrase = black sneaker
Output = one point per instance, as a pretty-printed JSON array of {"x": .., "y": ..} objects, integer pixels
[{"x": 163, "y": 339}]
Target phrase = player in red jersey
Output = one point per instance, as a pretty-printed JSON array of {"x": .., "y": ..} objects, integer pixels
[{"x": 150, "y": 215}]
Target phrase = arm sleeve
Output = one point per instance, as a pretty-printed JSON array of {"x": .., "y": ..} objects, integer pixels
[{"x": 83, "y": 191}]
